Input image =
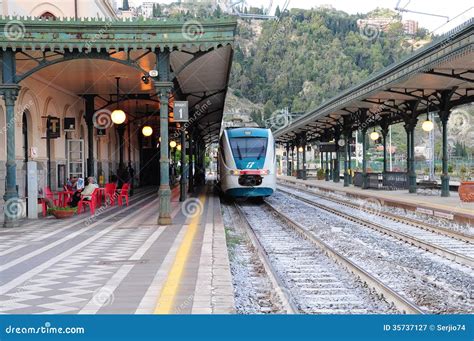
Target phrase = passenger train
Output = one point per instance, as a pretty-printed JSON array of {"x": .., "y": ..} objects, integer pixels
[{"x": 247, "y": 162}]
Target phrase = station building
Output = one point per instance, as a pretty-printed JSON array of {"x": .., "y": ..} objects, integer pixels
[{"x": 67, "y": 67}]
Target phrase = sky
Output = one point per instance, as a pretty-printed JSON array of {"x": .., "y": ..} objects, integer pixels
[{"x": 449, "y": 8}]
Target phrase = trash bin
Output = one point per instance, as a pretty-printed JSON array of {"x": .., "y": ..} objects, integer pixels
[{"x": 301, "y": 174}]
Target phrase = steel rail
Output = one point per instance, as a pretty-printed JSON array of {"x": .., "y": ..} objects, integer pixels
[
  {"x": 405, "y": 220},
  {"x": 436, "y": 249},
  {"x": 277, "y": 282},
  {"x": 402, "y": 304}
]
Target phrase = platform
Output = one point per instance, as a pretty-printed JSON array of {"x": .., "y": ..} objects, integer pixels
[
  {"x": 451, "y": 207},
  {"x": 120, "y": 261}
]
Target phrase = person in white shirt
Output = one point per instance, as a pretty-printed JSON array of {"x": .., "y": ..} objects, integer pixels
[{"x": 89, "y": 189}]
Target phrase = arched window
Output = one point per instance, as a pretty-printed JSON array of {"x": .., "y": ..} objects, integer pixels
[{"x": 48, "y": 16}]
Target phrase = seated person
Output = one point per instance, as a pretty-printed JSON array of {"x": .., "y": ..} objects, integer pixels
[
  {"x": 86, "y": 192},
  {"x": 71, "y": 183}
]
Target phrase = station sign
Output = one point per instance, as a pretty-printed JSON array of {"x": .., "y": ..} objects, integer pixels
[
  {"x": 181, "y": 111},
  {"x": 329, "y": 147},
  {"x": 53, "y": 127}
]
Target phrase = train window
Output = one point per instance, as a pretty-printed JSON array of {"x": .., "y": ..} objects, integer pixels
[{"x": 249, "y": 147}]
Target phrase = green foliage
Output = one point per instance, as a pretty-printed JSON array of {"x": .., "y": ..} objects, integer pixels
[
  {"x": 309, "y": 56},
  {"x": 59, "y": 208},
  {"x": 320, "y": 174}
]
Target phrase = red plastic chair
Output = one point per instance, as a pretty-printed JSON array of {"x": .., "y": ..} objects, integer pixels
[
  {"x": 110, "y": 194},
  {"x": 49, "y": 195},
  {"x": 65, "y": 196},
  {"x": 92, "y": 203},
  {"x": 123, "y": 194}
]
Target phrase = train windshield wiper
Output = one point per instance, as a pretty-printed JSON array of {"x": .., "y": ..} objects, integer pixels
[{"x": 238, "y": 151}]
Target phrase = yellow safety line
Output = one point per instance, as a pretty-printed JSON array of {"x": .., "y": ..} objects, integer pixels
[{"x": 168, "y": 293}]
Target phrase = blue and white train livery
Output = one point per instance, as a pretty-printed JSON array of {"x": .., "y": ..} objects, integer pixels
[{"x": 247, "y": 162}]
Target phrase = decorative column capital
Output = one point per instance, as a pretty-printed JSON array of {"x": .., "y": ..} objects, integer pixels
[
  {"x": 163, "y": 89},
  {"x": 444, "y": 115},
  {"x": 410, "y": 123},
  {"x": 9, "y": 92}
]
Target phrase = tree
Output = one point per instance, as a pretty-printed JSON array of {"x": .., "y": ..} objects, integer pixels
[
  {"x": 308, "y": 56},
  {"x": 277, "y": 11},
  {"x": 218, "y": 11}
]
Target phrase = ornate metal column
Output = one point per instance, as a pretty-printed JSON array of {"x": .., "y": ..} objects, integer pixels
[
  {"x": 326, "y": 171},
  {"x": 163, "y": 86},
  {"x": 444, "y": 113},
  {"x": 349, "y": 157},
  {"x": 365, "y": 183},
  {"x": 331, "y": 167},
  {"x": 292, "y": 158},
  {"x": 410, "y": 124},
  {"x": 384, "y": 131},
  {"x": 9, "y": 92},
  {"x": 121, "y": 133},
  {"x": 347, "y": 132},
  {"x": 444, "y": 117},
  {"x": 182, "y": 182},
  {"x": 298, "y": 161},
  {"x": 88, "y": 117},
  {"x": 288, "y": 164},
  {"x": 346, "y": 161},
  {"x": 336, "y": 169},
  {"x": 304, "y": 159}
]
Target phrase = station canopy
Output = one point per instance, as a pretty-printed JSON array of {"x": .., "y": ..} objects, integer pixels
[
  {"x": 442, "y": 70},
  {"x": 85, "y": 56}
]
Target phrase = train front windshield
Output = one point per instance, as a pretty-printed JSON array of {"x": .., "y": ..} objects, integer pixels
[{"x": 248, "y": 147}]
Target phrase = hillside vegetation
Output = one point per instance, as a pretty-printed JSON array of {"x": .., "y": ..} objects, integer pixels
[{"x": 309, "y": 56}]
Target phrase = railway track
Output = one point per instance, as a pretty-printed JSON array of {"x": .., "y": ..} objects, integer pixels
[
  {"x": 315, "y": 277},
  {"x": 391, "y": 216},
  {"x": 439, "y": 243}
]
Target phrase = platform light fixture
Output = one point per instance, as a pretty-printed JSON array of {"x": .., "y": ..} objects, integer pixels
[
  {"x": 300, "y": 149},
  {"x": 178, "y": 147},
  {"x": 173, "y": 144},
  {"x": 374, "y": 135},
  {"x": 428, "y": 124},
  {"x": 147, "y": 131},
  {"x": 118, "y": 115}
]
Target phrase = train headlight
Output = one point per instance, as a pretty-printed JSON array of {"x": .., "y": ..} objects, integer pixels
[
  {"x": 234, "y": 172},
  {"x": 264, "y": 172}
]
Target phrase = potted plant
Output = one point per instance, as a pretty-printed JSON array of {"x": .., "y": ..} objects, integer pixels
[
  {"x": 62, "y": 212},
  {"x": 466, "y": 186},
  {"x": 321, "y": 175}
]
